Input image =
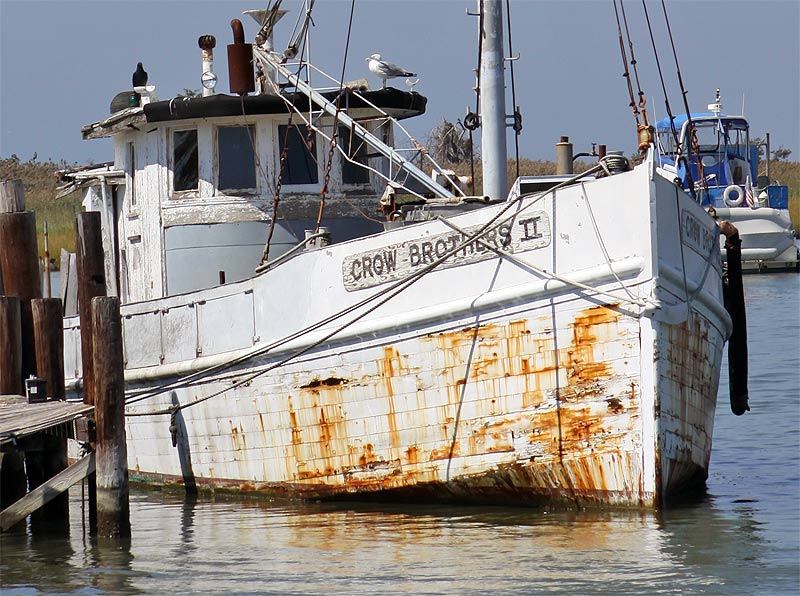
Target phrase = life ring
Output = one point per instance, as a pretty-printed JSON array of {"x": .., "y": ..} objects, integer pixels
[{"x": 729, "y": 190}]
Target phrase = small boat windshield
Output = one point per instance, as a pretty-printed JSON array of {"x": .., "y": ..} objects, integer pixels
[{"x": 722, "y": 136}]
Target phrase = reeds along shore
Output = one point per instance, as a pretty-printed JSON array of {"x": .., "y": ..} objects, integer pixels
[{"x": 40, "y": 181}]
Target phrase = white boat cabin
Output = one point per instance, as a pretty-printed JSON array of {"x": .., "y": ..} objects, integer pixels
[{"x": 188, "y": 200}]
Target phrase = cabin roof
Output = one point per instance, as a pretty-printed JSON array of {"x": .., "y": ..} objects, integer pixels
[
  {"x": 679, "y": 120},
  {"x": 399, "y": 104}
]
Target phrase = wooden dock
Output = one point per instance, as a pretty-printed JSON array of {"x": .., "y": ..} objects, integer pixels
[
  {"x": 21, "y": 423},
  {"x": 19, "y": 419}
]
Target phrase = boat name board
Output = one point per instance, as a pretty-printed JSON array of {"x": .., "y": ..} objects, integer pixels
[
  {"x": 396, "y": 261},
  {"x": 698, "y": 236}
]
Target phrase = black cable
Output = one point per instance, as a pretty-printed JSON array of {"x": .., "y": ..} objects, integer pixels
[{"x": 517, "y": 125}]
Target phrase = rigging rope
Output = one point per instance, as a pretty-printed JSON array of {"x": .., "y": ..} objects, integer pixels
[
  {"x": 692, "y": 130},
  {"x": 285, "y": 150},
  {"x": 517, "y": 126},
  {"x": 626, "y": 73},
  {"x": 335, "y": 133},
  {"x": 381, "y": 297},
  {"x": 680, "y": 158}
]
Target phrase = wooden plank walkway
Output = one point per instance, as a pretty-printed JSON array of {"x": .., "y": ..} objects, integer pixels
[{"x": 19, "y": 419}]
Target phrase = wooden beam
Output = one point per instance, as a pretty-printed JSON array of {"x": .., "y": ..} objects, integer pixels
[{"x": 46, "y": 492}]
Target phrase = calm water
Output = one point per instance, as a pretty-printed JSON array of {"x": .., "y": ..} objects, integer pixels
[{"x": 744, "y": 538}]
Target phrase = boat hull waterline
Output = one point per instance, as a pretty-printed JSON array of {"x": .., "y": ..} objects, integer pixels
[{"x": 497, "y": 376}]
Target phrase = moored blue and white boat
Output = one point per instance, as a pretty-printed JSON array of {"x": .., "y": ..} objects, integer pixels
[{"x": 723, "y": 169}]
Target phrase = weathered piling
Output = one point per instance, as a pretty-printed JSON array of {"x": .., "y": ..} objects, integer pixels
[
  {"x": 50, "y": 456},
  {"x": 19, "y": 262},
  {"x": 12, "y": 467},
  {"x": 48, "y": 326},
  {"x": 10, "y": 346},
  {"x": 91, "y": 283},
  {"x": 12, "y": 196},
  {"x": 111, "y": 457},
  {"x": 19, "y": 268}
]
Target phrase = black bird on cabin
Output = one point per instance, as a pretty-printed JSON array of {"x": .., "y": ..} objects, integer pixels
[{"x": 139, "y": 76}]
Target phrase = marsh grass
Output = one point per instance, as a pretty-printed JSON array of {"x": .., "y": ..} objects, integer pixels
[
  {"x": 788, "y": 173},
  {"x": 40, "y": 182}
]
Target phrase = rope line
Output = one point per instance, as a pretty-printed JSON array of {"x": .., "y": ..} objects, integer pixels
[{"x": 522, "y": 202}]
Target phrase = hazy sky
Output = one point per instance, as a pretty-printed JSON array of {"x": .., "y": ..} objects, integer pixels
[{"x": 62, "y": 62}]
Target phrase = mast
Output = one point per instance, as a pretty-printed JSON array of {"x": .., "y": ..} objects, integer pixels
[{"x": 493, "y": 104}]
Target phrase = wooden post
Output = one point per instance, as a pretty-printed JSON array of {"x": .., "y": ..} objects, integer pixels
[
  {"x": 19, "y": 262},
  {"x": 91, "y": 283},
  {"x": 12, "y": 196},
  {"x": 111, "y": 457},
  {"x": 12, "y": 469},
  {"x": 51, "y": 457},
  {"x": 48, "y": 326},
  {"x": 10, "y": 346},
  {"x": 12, "y": 200}
]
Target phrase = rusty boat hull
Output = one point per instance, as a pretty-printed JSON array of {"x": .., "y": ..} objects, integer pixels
[{"x": 571, "y": 355}]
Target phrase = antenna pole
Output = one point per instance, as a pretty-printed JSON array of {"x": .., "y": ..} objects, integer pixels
[{"x": 493, "y": 105}]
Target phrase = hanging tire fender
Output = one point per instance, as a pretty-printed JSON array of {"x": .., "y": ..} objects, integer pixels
[{"x": 729, "y": 191}]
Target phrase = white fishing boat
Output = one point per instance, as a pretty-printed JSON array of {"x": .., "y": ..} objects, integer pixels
[
  {"x": 725, "y": 173},
  {"x": 559, "y": 343}
]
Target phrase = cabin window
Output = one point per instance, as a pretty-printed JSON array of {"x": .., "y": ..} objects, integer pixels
[
  {"x": 236, "y": 157},
  {"x": 184, "y": 160},
  {"x": 301, "y": 155},
  {"x": 708, "y": 136},
  {"x": 356, "y": 149}
]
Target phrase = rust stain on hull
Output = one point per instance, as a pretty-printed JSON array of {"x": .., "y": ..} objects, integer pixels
[{"x": 534, "y": 408}]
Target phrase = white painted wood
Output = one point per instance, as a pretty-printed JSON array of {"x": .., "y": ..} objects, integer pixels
[{"x": 391, "y": 381}]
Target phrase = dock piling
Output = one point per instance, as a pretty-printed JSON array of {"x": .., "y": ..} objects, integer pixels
[
  {"x": 50, "y": 457},
  {"x": 111, "y": 456},
  {"x": 10, "y": 346},
  {"x": 91, "y": 283}
]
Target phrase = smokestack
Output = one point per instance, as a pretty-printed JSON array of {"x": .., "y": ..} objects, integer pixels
[
  {"x": 240, "y": 62},
  {"x": 564, "y": 156}
]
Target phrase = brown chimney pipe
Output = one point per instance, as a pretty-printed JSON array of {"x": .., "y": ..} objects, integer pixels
[{"x": 240, "y": 62}]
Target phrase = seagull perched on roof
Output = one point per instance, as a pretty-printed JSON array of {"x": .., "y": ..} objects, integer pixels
[
  {"x": 386, "y": 70},
  {"x": 139, "y": 78}
]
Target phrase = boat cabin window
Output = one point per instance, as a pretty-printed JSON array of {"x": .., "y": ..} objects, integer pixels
[
  {"x": 737, "y": 139},
  {"x": 709, "y": 137},
  {"x": 184, "y": 160},
  {"x": 301, "y": 155},
  {"x": 666, "y": 142},
  {"x": 356, "y": 149},
  {"x": 236, "y": 157}
]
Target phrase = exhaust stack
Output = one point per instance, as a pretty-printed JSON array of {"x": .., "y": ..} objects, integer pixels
[
  {"x": 208, "y": 79},
  {"x": 564, "y": 156},
  {"x": 240, "y": 62}
]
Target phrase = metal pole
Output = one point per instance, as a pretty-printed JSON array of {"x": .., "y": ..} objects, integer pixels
[{"x": 493, "y": 105}]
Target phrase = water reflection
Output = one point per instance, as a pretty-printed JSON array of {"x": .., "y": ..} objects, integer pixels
[{"x": 214, "y": 544}]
